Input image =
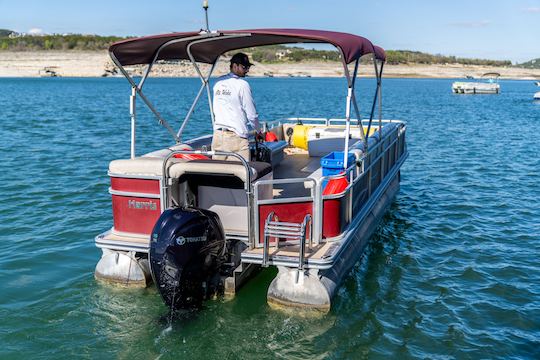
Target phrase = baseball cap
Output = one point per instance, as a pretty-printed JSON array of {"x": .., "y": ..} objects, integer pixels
[{"x": 241, "y": 58}]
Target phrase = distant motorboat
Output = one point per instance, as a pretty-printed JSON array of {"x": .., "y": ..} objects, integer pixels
[
  {"x": 537, "y": 96},
  {"x": 490, "y": 86},
  {"x": 48, "y": 71}
]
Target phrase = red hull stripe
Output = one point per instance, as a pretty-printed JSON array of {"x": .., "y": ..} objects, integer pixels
[{"x": 145, "y": 186}]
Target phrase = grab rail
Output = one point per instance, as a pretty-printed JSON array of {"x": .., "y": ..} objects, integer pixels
[
  {"x": 302, "y": 256},
  {"x": 287, "y": 230},
  {"x": 315, "y": 198},
  {"x": 247, "y": 186}
]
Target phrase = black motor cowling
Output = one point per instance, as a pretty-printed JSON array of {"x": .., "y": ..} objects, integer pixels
[{"x": 187, "y": 253}]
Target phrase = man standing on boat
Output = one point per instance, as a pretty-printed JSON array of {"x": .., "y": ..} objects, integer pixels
[{"x": 234, "y": 110}]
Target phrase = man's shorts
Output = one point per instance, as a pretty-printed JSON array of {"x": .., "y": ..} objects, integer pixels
[{"x": 226, "y": 140}]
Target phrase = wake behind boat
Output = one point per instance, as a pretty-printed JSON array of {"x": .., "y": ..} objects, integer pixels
[{"x": 308, "y": 204}]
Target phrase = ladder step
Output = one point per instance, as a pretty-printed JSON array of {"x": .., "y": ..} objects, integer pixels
[
  {"x": 286, "y": 237},
  {"x": 284, "y": 224},
  {"x": 286, "y": 228},
  {"x": 281, "y": 233}
]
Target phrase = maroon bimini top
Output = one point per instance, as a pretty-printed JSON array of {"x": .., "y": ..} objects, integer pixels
[{"x": 142, "y": 50}]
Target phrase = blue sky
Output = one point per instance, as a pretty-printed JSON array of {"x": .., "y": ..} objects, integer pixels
[{"x": 496, "y": 29}]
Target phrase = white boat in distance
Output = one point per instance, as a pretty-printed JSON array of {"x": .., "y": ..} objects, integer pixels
[
  {"x": 489, "y": 86},
  {"x": 308, "y": 205},
  {"x": 537, "y": 96}
]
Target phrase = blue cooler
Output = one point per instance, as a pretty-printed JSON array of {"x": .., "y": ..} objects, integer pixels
[{"x": 332, "y": 164}]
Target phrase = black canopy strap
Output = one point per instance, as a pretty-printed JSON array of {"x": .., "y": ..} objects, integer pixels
[{"x": 378, "y": 74}]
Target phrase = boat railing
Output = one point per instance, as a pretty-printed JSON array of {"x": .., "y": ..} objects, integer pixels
[
  {"x": 298, "y": 232},
  {"x": 323, "y": 121},
  {"x": 313, "y": 199},
  {"x": 367, "y": 173},
  {"x": 248, "y": 186}
]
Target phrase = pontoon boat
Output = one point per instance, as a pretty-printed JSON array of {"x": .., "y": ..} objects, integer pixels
[
  {"x": 490, "y": 86},
  {"x": 307, "y": 206}
]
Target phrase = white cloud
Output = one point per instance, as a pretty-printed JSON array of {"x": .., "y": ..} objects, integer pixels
[
  {"x": 35, "y": 31},
  {"x": 532, "y": 10},
  {"x": 471, "y": 24}
]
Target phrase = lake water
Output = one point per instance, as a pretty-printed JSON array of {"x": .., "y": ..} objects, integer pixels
[{"x": 453, "y": 270}]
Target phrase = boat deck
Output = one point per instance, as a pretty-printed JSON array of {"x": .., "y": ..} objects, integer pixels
[{"x": 295, "y": 165}]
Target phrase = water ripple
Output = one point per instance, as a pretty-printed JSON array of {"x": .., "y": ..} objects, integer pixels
[{"x": 452, "y": 271}]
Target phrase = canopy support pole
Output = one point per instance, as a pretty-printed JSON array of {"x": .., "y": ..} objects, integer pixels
[
  {"x": 132, "y": 115},
  {"x": 379, "y": 87},
  {"x": 134, "y": 86},
  {"x": 356, "y": 108},
  {"x": 378, "y": 74},
  {"x": 206, "y": 85},
  {"x": 204, "y": 80},
  {"x": 350, "y": 91}
]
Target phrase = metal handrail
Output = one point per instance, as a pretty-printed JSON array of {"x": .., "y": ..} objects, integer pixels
[
  {"x": 266, "y": 243},
  {"x": 302, "y": 255},
  {"x": 247, "y": 186},
  {"x": 314, "y": 198},
  {"x": 277, "y": 232}
]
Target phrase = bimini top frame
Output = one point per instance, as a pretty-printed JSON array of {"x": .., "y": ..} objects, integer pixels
[{"x": 207, "y": 46}]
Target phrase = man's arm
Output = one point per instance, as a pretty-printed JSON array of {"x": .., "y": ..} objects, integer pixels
[{"x": 249, "y": 106}]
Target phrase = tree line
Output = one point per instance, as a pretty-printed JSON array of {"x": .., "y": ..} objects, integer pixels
[
  {"x": 277, "y": 54},
  {"x": 264, "y": 54},
  {"x": 55, "y": 42}
]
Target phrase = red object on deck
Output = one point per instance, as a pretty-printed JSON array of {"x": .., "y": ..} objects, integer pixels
[
  {"x": 331, "y": 218},
  {"x": 270, "y": 137},
  {"x": 191, "y": 156},
  {"x": 336, "y": 186}
]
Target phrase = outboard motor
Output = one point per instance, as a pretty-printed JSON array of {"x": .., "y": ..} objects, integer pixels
[{"x": 188, "y": 252}]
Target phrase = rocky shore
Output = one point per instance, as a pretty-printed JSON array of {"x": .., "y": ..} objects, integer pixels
[{"x": 97, "y": 64}]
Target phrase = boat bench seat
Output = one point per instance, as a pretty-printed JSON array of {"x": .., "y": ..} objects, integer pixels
[
  {"x": 143, "y": 166},
  {"x": 150, "y": 164},
  {"x": 153, "y": 166},
  {"x": 219, "y": 187},
  {"x": 220, "y": 168}
]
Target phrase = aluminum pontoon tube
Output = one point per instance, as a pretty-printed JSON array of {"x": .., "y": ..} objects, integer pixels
[{"x": 314, "y": 291}]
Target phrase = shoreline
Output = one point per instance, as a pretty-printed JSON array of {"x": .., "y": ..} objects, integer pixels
[{"x": 32, "y": 64}]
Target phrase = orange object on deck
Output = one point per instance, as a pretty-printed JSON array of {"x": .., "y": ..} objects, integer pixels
[
  {"x": 336, "y": 186},
  {"x": 270, "y": 137},
  {"x": 190, "y": 156}
]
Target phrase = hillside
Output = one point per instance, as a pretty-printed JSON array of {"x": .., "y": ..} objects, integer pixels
[
  {"x": 531, "y": 64},
  {"x": 275, "y": 54},
  {"x": 265, "y": 54}
]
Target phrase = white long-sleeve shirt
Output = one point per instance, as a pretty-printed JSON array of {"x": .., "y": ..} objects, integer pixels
[{"x": 234, "y": 108}]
